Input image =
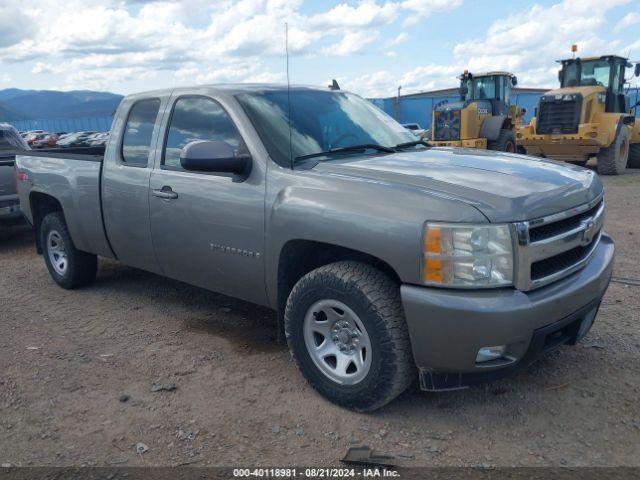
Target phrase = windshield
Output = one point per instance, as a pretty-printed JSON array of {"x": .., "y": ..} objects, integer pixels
[
  {"x": 481, "y": 88},
  {"x": 589, "y": 73},
  {"x": 320, "y": 121}
]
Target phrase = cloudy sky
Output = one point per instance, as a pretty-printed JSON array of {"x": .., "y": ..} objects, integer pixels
[{"x": 370, "y": 46}]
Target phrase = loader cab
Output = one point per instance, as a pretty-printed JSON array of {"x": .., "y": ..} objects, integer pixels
[
  {"x": 493, "y": 87},
  {"x": 606, "y": 71}
]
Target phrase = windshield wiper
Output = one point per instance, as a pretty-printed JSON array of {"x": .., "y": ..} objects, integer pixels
[
  {"x": 402, "y": 146},
  {"x": 351, "y": 148}
]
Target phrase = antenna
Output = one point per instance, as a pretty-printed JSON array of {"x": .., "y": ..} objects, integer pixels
[{"x": 286, "y": 49}]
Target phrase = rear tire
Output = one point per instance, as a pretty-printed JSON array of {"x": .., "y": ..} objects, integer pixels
[
  {"x": 506, "y": 141},
  {"x": 634, "y": 156},
  {"x": 613, "y": 159},
  {"x": 371, "y": 312},
  {"x": 69, "y": 267}
]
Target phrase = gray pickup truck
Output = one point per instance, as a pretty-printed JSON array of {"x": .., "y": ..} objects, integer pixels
[
  {"x": 10, "y": 142},
  {"x": 386, "y": 260}
]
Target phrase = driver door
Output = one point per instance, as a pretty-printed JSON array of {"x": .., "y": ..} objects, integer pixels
[{"x": 207, "y": 230}]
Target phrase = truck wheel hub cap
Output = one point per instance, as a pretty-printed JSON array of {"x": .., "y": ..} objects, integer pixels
[
  {"x": 337, "y": 342},
  {"x": 57, "y": 252}
]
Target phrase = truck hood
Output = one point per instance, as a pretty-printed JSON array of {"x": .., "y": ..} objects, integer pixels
[{"x": 504, "y": 187}]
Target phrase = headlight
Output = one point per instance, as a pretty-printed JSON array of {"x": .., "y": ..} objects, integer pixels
[{"x": 467, "y": 256}]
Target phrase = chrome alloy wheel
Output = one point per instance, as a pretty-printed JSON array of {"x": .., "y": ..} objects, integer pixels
[
  {"x": 57, "y": 252},
  {"x": 337, "y": 342}
]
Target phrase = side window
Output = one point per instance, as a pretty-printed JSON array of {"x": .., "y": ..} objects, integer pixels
[
  {"x": 136, "y": 141},
  {"x": 507, "y": 90},
  {"x": 198, "y": 118}
]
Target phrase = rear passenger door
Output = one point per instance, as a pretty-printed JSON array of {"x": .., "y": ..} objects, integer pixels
[
  {"x": 210, "y": 232},
  {"x": 125, "y": 182}
]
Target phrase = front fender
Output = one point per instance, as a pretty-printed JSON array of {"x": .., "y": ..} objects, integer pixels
[{"x": 383, "y": 221}]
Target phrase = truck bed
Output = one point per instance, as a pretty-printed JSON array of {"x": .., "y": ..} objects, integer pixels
[{"x": 72, "y": 176}]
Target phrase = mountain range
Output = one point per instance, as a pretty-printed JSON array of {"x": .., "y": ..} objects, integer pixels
[{"x": 16, "y": 104}]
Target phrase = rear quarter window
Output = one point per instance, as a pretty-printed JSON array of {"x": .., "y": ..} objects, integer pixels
[{"x": 136, "y": 141}]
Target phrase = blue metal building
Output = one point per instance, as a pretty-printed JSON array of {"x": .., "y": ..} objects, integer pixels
[
  {"x": 83, "y": 124},
  {"x": 417, "y": 107}
]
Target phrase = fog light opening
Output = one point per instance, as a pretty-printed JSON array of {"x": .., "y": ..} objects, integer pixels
[{"x": 487, "y": 354}]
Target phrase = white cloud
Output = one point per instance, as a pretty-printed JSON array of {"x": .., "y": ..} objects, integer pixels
[
  {"x": 353, "y": 42},
  {"x": 364, "y": 15},
  {"x": 420, "y": 9},
  {"x": 402, "y": 37},
  {"x": 84, "y": 40},
  {"x": 526, "y": 43},
  {"x": 630, "y": 19}
]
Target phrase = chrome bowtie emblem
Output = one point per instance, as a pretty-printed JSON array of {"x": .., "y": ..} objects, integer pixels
[{"x": 589, "y": 233}]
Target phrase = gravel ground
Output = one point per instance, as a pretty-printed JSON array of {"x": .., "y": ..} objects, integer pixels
[{"x": 77, "y": 371}]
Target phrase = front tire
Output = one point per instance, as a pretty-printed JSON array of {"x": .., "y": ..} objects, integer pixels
[
  {"x": 347, "y": 333},
  {"x": 613, "y": 159},
  {"x": 506, "y": 141},
  {"x": 69, "y": 267}
]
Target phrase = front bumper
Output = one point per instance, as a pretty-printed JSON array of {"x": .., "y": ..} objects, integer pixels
[
  {"x": 471, "y": 143},
  {"x": 567, "y": 146},
  {"x": 448, "y": 327}
]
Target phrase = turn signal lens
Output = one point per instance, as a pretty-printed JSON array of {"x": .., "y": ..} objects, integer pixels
[{"x": 433, "y": 240}]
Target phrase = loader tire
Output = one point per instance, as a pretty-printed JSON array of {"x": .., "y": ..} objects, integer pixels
[
  {"x": 634, "y": 156},
  {"x": 506, "y": 141},
  {"x": 69, "y": 267},
  {"x": 347, "y": 333},
  {"x": 613, "y": 159}
]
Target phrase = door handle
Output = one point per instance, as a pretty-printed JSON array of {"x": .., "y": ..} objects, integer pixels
[{"x": 165, "y": 193}]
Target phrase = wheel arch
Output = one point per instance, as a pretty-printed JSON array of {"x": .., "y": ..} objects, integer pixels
[
  {"x": 42, "y": 204},
  {"x": 298, "y": 257}
]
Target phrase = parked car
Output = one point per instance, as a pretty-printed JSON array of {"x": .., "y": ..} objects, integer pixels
[
  {"x": 384, "y": 258},
  {"x": 10, "y": 141},
  {"x": 31, "y": 136},
  {"x": 98, "y": 139},
  {"x": 414, "y": 128},
  {"x": 45, "y": 140},
  {"x": 78, "y": 139}
]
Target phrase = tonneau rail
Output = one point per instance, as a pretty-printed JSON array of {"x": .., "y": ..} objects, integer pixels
[{"x": 92, "y": 154}]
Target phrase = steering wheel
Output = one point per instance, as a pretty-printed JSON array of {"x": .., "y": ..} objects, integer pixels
[{"x": 343, "y": 137}]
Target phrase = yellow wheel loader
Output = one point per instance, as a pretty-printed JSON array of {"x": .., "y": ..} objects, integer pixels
[
  {"x": 484, "y": 116},
  {"x": 588, "y": 116}
]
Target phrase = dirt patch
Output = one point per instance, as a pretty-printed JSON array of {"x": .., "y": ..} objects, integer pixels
[{"x": 78, "y": 369}]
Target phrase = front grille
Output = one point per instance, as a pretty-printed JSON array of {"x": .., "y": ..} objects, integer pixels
[
  {"x": 553, "y": 247},
  {"x": 549, "y": 230},
  {"x": 559, "y": 114},
  {"x": 549, "y": 266},
  {"x": 447, "y": 125}
]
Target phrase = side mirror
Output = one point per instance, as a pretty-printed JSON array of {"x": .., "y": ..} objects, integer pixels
[
  {"x": 514, "y": 81},
  {"x": 637, "y": 70},
  {"x": 214, "y": 156},
  {"x": 560, "y": 76}
]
